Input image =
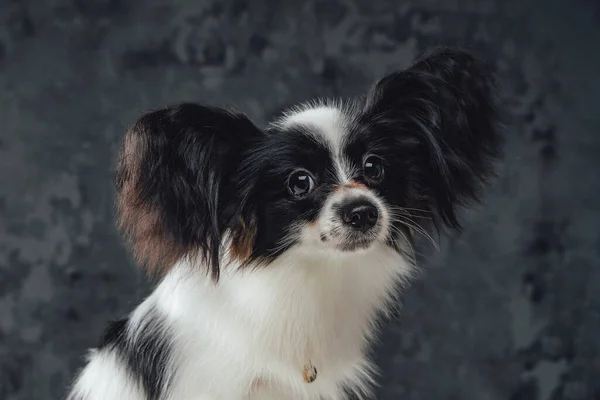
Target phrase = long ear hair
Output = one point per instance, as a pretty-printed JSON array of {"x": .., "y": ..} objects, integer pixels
[
  {"x": 175, "y": 183},
  {"x": 443, "y": 114}
]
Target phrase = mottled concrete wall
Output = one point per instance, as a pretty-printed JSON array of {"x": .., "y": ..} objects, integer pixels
[{"x": 510, "y": 310}]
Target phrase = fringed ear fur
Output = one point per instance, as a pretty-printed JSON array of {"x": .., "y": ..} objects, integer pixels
[
  {"x": 176, "y": 184},
  {"x": 444, "y": 116}
]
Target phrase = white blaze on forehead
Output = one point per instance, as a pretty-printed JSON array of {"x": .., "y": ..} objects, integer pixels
[
  {"x": 329, "y": 125},
  {"x": 328, "y": 122}
]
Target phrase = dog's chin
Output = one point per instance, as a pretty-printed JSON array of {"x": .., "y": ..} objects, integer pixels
[
  {"x": 354, "y": 245},
  {"x": 351, "y": 242}
]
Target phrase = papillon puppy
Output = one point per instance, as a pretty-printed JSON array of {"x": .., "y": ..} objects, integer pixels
[{"x": 278, "y": 249}]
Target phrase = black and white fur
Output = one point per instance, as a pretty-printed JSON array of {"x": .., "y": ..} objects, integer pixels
[{"x": 278, "y": 248}]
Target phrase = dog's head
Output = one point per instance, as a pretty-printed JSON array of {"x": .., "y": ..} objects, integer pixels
[{"x": 325, "y": 176}]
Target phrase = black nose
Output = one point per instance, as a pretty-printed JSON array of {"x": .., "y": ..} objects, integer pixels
[{"x": 362, "y": 215}]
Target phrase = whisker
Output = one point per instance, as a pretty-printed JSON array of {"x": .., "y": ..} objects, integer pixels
[
  {"x": 412, "y": 257},
  {"x": 411, "y": 209},
  {"x": 419, "y": 229},
  {"x": 400, "y": 211}
]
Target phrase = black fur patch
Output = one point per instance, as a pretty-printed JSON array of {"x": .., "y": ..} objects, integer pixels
[
  {"x": 146, "y": 357},
  {"x": 114, "y": 333},
  {"x": 436, "y": 126}
]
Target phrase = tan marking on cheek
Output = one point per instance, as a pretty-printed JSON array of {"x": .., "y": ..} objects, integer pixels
[{"x": 243, "y": 241}]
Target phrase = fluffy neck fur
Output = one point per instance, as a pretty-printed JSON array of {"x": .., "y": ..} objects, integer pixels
[{"x": 249, "y": 335}]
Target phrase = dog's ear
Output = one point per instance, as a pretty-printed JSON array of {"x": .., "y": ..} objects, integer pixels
[
  {"x": 176, "y": 183},
  {"x": 442, "y": 114}
]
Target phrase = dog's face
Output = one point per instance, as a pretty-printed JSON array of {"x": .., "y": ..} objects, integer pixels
[
  {"x": 325, "y": 183},
  {"x": 326, "y": 177}
]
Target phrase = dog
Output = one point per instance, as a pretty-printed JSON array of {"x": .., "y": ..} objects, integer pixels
[{"x": 279, "y": 250}]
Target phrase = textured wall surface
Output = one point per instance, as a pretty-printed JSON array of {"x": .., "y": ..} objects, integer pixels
[{"x": 509, "y": 310}]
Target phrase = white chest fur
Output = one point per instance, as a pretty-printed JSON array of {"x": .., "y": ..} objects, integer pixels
[{"x": 250, "y": 335}]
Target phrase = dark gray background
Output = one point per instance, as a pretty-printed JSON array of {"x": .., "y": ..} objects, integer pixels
[{"x": 509, "y": 310}]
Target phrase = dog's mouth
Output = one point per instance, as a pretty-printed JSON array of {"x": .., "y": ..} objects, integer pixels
[{"x": 348, "y": 242}]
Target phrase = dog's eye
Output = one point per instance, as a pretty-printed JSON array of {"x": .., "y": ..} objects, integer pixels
[
  {"x": 300, "y": 183},
  {"x": 373, "y": 168}
]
